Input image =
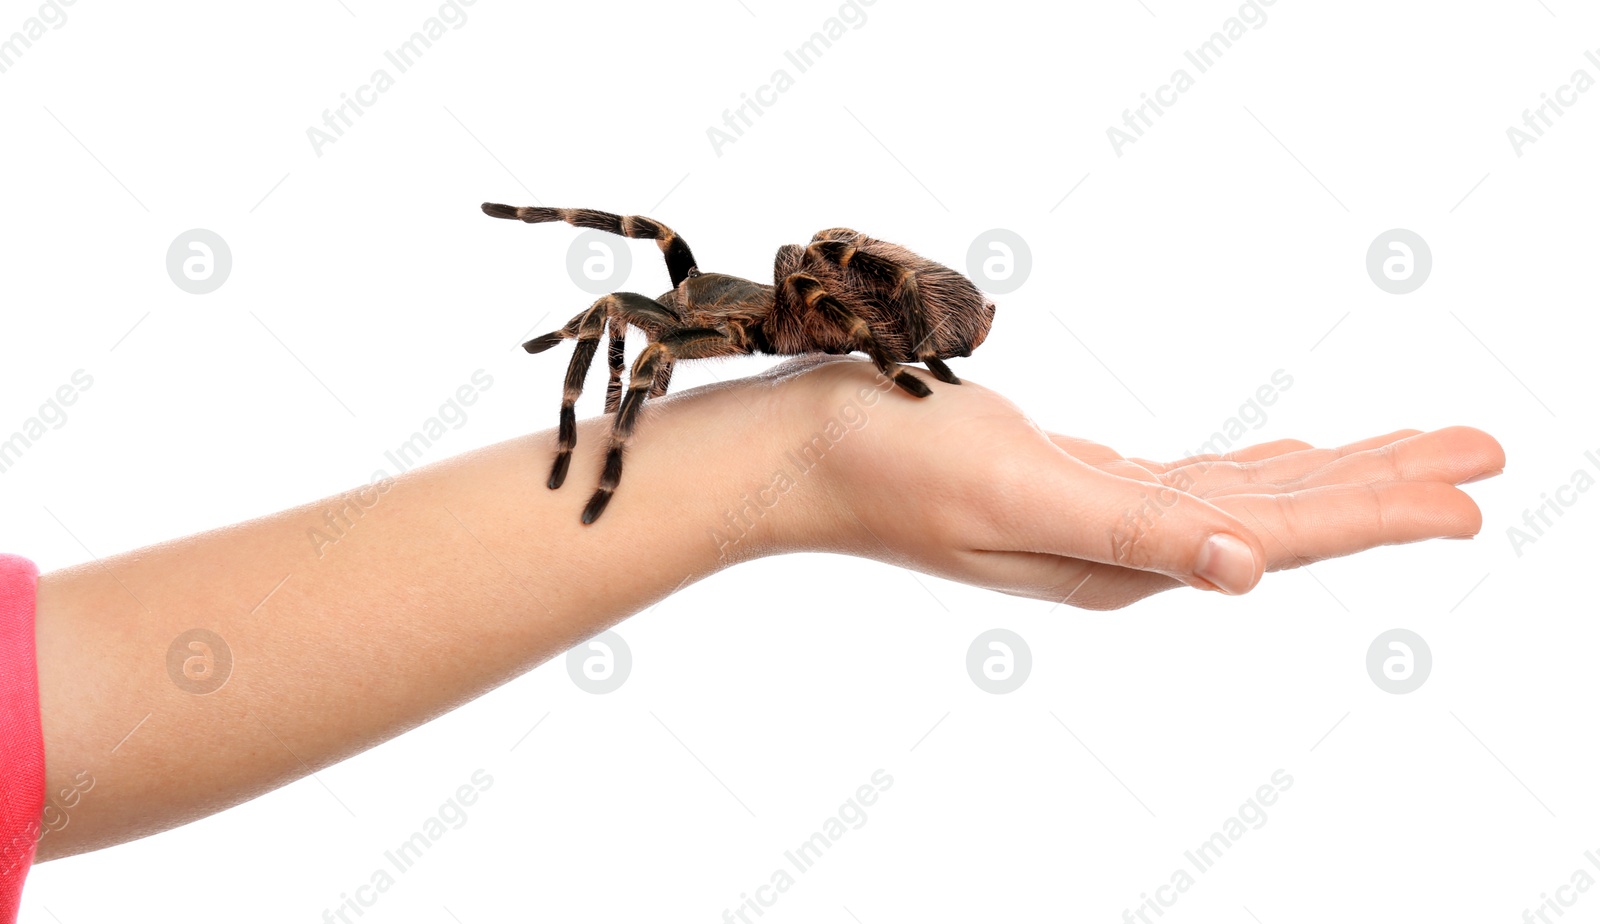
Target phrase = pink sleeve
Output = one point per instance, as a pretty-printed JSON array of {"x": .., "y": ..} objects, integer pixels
[{"x": 21, "y": 740}]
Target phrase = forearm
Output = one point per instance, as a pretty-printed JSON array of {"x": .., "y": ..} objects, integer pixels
[
  {"x": 466, "y": 573},
  {"x": 458, "y": 577}
]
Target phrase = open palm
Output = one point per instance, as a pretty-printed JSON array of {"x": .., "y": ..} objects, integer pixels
[{"x": 964, "y": 485}]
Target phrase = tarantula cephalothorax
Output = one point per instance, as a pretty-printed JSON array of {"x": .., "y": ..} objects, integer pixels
[{"x": 844, "y": 292}]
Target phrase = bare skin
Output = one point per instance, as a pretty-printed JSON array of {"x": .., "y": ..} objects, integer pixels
[{"x": 468, "y": 572}]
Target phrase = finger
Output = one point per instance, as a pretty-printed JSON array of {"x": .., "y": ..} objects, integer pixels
[
  {"x": 1102, "y": 457},
  {"x": 1308, "y": 526},
  {"x": 1087, "y": 450},
  {"x": 1060, "y": 505},
  {"x": 1064, "y": 582},
  {"x": 1453, "y": 455},
  {"x": 1247, "y": 454},
  {"x": 1268, "y": 450},
  {"x": 1205, "y": 478},
  {"x": 1297, "y": 529},
  {"x": 1373, "y": 442}
]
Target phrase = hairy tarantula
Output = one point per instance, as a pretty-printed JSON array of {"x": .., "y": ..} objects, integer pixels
[{"x": 844, "y": 292}]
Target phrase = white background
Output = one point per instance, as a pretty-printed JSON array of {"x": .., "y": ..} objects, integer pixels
[{"x": 1228, "y": 243}]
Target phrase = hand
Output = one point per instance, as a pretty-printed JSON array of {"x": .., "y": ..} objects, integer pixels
[
  {"x": 476, "y": 571},
  {"x": 963, "y": 485}
]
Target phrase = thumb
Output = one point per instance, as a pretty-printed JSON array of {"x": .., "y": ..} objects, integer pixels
[{"x": 1080, "y": 511}]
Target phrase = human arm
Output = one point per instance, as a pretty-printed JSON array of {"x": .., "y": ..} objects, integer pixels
[{"x": 468, "y": 572}]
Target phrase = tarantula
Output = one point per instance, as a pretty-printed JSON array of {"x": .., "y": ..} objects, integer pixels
[{"x": 844, "y": 292}]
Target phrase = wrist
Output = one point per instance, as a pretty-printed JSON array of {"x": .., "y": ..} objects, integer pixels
[
  {"x": 803, "y": 431},
  {"x": 760, "y": 498}
]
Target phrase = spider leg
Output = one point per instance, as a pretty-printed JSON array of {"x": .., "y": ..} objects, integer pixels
[
  {"x": 662, "y": 380},
  {"x": 680, "y": 261},
  {"x": 631, "y": 307},
  {"x": 545, "y": 341},
  {"x": 897, "y": 281},
  {"x": 621, "y": 308},
  {"x": 589, "y": 328},
  {"x": 684, "y": 343},
  {"x": 614, "y": 357},
  {"x": 810, "y": 293}
]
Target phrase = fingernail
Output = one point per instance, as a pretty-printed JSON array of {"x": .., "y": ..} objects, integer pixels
[
  {"x": 1228, "y": 563},
  {"x": 1483, "y": 476}
]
